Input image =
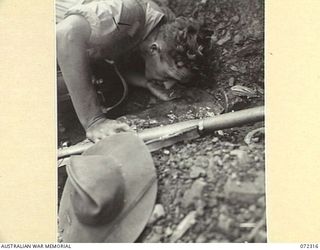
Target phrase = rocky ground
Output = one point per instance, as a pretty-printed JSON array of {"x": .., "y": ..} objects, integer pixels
[{"x": 211, "y": 189}]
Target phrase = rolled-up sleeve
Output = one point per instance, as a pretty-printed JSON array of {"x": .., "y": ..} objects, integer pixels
[{"x": 103, "y": 17}]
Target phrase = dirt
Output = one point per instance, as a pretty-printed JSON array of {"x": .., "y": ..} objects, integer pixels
[{"x": 211, "y": 189}]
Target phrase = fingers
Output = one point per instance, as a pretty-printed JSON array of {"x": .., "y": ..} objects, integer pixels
[
  {"x": 123, "y": 128},
  {"x": 107, "y": 129}
]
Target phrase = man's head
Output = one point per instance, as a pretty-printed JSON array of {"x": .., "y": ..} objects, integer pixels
[{"x": 173, "y": 51}]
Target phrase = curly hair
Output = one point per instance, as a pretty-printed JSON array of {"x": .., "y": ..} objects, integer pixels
[{"x": 186, "y": 41}]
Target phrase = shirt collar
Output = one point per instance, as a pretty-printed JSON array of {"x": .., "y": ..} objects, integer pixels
[{"x": 153, "y": 17}]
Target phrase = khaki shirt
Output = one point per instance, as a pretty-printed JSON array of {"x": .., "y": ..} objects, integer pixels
[{"x": 117, "y": 26}]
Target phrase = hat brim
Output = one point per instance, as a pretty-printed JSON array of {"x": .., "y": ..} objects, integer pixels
[{"x": 140, "y": 194}]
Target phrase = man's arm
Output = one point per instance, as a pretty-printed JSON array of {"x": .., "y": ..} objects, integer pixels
[{"x": 73, "y": 34}]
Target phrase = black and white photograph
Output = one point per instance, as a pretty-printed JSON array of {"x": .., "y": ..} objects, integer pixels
[{"x": 161, "y": 121}]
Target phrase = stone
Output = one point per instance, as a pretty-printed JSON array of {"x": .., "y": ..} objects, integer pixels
[
  {"x": 166, "y": 152},
  {"x": 158, "y": 213},
  {"x": 262, "y": 201},
  {"x": 194, "y": 193},
  {"x": 231, "y": 81},
  {"x": 260, "y": 237},
  {"x": 201, "y": 239},
  {"x": 233, "y": 68},
  {"x": 213, "y": 201},
  {"x": 235, "y": 19},
  {"x": 245, "y": 191},
  {"x": 158, "y": 230},
  {"x": 225, "y": 223},
  {"x": 201, "y": 161},
  {"x": 168, "y": 232},
  {"x": 153, "y": 238},
  {"x": 200, "y": 206},
  {"x": 184, "y": 226},
  {"x": 197, "y": 172},
  {"x": 238, "y": 39},
  {"x": 215, "y": 139},
  {"x": 241, "y": 155}
]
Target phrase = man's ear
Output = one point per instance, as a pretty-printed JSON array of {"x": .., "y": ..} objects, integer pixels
[{"x": 154, "y": 48}]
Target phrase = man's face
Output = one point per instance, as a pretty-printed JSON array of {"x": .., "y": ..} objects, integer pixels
[{"x": 160, "y": 66}]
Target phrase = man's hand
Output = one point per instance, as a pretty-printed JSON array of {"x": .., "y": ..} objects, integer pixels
[{"x": 104, "y": 127}]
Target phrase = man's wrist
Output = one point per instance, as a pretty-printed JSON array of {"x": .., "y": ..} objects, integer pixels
[{"x": 96, "y": 119}]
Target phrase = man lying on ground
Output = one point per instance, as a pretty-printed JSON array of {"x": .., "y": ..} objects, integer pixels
[{"x": 112, "y": 30}]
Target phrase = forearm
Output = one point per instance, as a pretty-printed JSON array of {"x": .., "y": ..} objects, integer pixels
[
  {"x": 74, "y": 64},
  {"x": 135, "y": 78}
]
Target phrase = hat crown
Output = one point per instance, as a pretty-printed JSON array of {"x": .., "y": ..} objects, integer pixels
[{"x": 98, "y": 188}]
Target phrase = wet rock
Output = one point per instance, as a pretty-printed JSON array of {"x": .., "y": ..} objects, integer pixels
[
  {"x": 245, "y": 191},
  {"x": 197, "y": 172},
  {"x": 158, "y": 213},
  {"x": 194, "y": 193}
]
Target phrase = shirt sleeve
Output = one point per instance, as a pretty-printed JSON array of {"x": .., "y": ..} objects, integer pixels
[{"x": 103, "y": 17}]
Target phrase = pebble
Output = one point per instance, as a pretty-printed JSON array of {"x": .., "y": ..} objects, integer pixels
[
  {"x": 158, "y": 229},
  {"x": 238, "y": 39},
  {"x": 262, "y": 201},
  {"x": 215, "y": 139},
  {"x": 158, "y": 213},
  {"x": 200, "y": 205},
  {"x": 231, "y": 81},
  {"x": 153, "y": 238},
  {"x": 201, "y": 161},
  {"x": 244, "y": 191},
  {"x": 194, "y": 193},
  {"x": 233, "y": 68},
  {"x": 260, "y": 237},
  {"x": 214, "y": 38},
  {"x": 166, "y": 152},
  {"x": 213, "y": 202},
  {"x": 247, "y": 215},
  {"x": 197, "y": 172},
  {"x": 168, "y": 232},
  {"x": 201, "y": 239},
  {"x": 184, "y": 226},
  {"x": 235, "y": 19},
  {"x": 225, "y": 223},
  {"x": 252, "y": 208},
  {"x": 242, "y": 156}
]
